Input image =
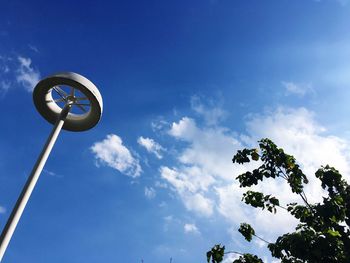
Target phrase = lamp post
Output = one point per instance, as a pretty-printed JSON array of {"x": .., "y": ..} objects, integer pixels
[{"x": 70, "y": 102}]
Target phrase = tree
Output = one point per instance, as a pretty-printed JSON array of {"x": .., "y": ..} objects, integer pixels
[{"x": 322, "y": 235}]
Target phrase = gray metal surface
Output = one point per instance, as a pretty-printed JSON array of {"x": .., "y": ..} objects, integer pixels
[
  {"x": 48, "y": 107},
  {"x": 30, "y": 184},
  {"x": 60, "y": 112}
]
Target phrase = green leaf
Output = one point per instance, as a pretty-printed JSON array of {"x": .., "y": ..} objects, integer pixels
[
  {"x": 322, "y": 234},
  {"x": 209, "y": 254},
  {"x": 333, "y": 233},
  {"x": 248, "y": 258},
  {"x": 255, "y": 155},
  {"x": 247, "y": 231},
  {"x": 216, "y": 254}
]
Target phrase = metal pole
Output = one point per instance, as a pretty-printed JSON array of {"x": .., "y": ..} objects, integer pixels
[{"x": 30, "y": 184}]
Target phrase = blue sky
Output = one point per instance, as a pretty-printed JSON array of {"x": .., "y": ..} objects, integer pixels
[{"x": 184, "y": 84}]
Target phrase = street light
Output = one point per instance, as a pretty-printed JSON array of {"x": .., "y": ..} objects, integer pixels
[{"x": 69, "y": 101}]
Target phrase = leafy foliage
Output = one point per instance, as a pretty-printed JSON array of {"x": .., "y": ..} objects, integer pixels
[
  {"x": 216, "y": 254},
  {"x": 247, "y": 231},
  {"x": 257, "y": 199},
  {"x": 323, "y": 234},
  {"x": 248, "y": 258}
]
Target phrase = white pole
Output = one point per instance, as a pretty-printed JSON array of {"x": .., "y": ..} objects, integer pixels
[{"x": 30, "y": 184}]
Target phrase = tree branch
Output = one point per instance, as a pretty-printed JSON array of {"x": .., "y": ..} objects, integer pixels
[
  {"x": 282, "y": 207},
  {"x": 302, "y": 194},
  {"x": 234, "y": 252},
  {"x": 267, "y": 242}
]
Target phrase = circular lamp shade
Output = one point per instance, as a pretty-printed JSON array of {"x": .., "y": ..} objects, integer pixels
[{"x": 52, "y": 93}]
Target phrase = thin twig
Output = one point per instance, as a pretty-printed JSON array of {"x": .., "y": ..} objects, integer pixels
[
  {"x": 235, "y": 252},
  {"x": 282, "y": 207},
  {"x": 262, "y": 239},
  {"x": 302, "y": 194},
  {"x": 284, "y": 176}
]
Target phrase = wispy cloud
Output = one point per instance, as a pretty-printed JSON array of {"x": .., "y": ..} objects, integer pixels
[
  {"x": 211, "y": 112},
  {"x": 27, "y": 76},
  {"x": 4, "y": 87},
  {"x": 5, "y": 83},
  {"x": 2, "y": 210},
  {"x": 203, "y": 177},
  {"x": 191, "y": 228},
  {"x": 33, "y": 48},
  {"x": 299, "y": 134},
  {"x": 297, "y": 131},
  {"x": 53, "y": 174},
  {"x": 17, "y": 71},
  {"x": 207, "y": 147},
  {"x": 150, "y": 192},
  {"x": 299, "y": 89},
  {"x": 113, "y": 153},
  {"x": 201, "y": 164},
  {"x": 159, "y": 124},
  {"x": 151, "y": 146},
  {"x": 190, "y": 183},
  {"x": 168, "y": 220}
]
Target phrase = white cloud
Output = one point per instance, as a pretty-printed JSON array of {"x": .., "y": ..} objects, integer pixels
[
  {"x": 210, "y": 148},
  {"x": 150, "y": 193},
  {"x": 191, "y": 228},
  {"x": 188, "y": 179},
  {"x": 19, "y": 70},
  {"x": 185, "y": 129},
  {"x": 189, "y": 183},
  {"x": 229, "y": 205},
  {"x": 297, "y": 132},
  {"x": 4, "y": 86},
  {"x": 27, "y": 76},
  {"x": 158, "y": 125},
  {"x": 5, "y": 83},
  {"x": 151, "y": 146},
  {"x": 205, "y": 162},
  {"x": 114, "y": 154},
  {"x": 198, "y": 203},
  {"x": 204, "y": 176},
  {"x": 297, "y": 89},
  {"x": 229, "y": 258},
  {"x": 4, "y": 65},
  {"x": 260, "y": 243},
  {"x": 160, "y": 184},
  {"x": 212, "y": 114},
  {"x": 2, "y": 210}
]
